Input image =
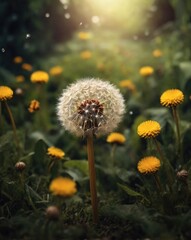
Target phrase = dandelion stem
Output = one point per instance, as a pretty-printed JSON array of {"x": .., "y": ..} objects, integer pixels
[
  {"x": 51, "y": 165},
  {"x": 159, "y": 149},
  {"x": 113, "y": 154},
  {"x": 157, "y": 180},
  {"x": 176, "y": 119},
  {"x": 1, "y": 125},
  {"x": 13, "y": 124},
  {"x": 167, "y": 166},
  {"x": 94, "y": 201}
]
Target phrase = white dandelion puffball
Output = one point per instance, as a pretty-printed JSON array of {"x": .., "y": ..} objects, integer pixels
[{"x": 90, "y": 105}]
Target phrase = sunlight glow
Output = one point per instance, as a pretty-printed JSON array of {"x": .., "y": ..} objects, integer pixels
[{"x": 131, "y": 15}]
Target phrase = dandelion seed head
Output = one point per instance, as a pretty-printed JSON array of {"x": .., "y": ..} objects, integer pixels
[{"x": 90, "y": 104}]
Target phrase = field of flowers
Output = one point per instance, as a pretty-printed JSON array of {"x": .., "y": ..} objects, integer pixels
[{"x": 95, "y": 138}]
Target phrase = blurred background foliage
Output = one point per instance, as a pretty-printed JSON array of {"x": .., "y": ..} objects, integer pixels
[
  {"x": 121, "y": 37},
  {"x": 35, "y": 28}
]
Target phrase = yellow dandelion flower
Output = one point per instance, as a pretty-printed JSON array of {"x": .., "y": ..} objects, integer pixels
[
  {"x": 61, "y": 186},
  {"x": 148, "y": 164},
  {"x": 157, "y": 53},
  {"x": 100, "y": 67},
  {"x": 34, "y": 106},
  {"x": 127, "y": 84},
  {"x": 5, "y": 93},
  {"x": 39, "y": 77},
  {"x": 27, "y": 67},
  {"x": 18, "y": 59},
  {"x": 55, "y": 152},
  {"x": 172, "y": 98},
  {"x": 146, "y": 71},
  {"x": 84, "y": 35},
  {"x": 86, "y": 55},
  {"x": 55, "y": 71},
  {"x": 20, "y": 78},
  {"x": 116, "y": 137},
  {"x": 148, "y": 129}
]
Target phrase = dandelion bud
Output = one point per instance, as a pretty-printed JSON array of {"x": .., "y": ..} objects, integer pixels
[
  {"x": 20, "y": 166},
  {"x": 182, "y": 175},
  {"x": 90, "y": 105},
  {"x": 52, "y": 212},
  {"x": 34, "y": 106}
]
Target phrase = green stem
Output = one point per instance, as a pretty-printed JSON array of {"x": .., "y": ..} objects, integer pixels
[
  {"x": 93, "y": 191},
  {"x": 51, "y": 165},
  {"x": 167, "y": 166},
  {"x": 43, "y": 120},
  {"x": 159, "y": 150},
  {"x": 13, "y": 124},
  {"x": 21, "y": 178},
  {"x": 1, "y": 125},
  {"x": 157, "y": 180},
  {"x": 113, "y": 154},
  {"x": 176, "y": 120}
]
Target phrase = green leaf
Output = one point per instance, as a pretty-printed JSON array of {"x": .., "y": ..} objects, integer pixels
[
  {"x": 129, "y": 191},
  {"x": 158, "y": 114},
  {"x": 33, "y": 193},
  {"x": 184, "y": 127},
  {"x": 6, "y": 141},
  {"x": 132, "y": 192},
  {"x": 7, "y": 76},
  {"x": 186, "y": 69},
  {"x": 40, "y": 136},
  {"x": 81, "y": 165},
  {"x": 38, "y": 159}
]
